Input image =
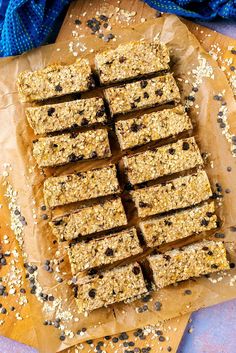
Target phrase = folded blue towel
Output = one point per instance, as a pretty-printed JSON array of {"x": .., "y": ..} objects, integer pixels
[
  {"x": 25, "y": 24},
  {"x": 199, "y": 9}
]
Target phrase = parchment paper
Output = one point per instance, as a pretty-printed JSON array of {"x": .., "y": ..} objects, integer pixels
[{"x": 16, "y": 144}]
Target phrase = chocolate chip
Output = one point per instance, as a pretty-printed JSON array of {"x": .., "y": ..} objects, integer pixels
[
  {"x": 195, "y": 89},
  {"x": 171, "y": 150},
  {"x": 136, "y": 270},
  {"x": 103, "y": 18},
  {"x": 159, "y": 92},
  {"x": 187, "y": 292},
  {"x": 135, "y": 127},
  {"x": 137, "y": 100},
  {"x": 109, "y": 252},
  {"x": 210, "y": 253},
  {"x": 132, "y": 105},
  {"x": 145, "y": 95},
  {"x": 122, "y": 59},
  {"x": 167, "y": 257},
  {"x": 143, "y": 204},
  {"x": 233, "y": 228},
  {"x": 167, "y": 222},
  {"x": 94, "y": 155},
  {"x": 62, "y": 337},
  {"x": 209, "y": 214},
  {"x": 143, "y": 83},
  {"x": 78, "y": 22},
  {"x": 84, "y": 122},
  {"x": 219, "y": 235},
  {"x": 232, "y": 265},
  {"x": 58, "y": 88},
  {"x": 204, "y": 222},
  {"x": 51, "y": 111},
  {"x": 214, "y": 266},
  {"x": 185, "y": 146},
  {"x": 92, "y": 293},
  {"x": 233, "y": 51},
  {"x": 73, "y": 158},
  {"x": 92, "y": 272}
]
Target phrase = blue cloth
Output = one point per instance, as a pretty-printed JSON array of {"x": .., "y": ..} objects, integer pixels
[
  {"x": 25, "y": 24},
  {"x": 198, "y": 9}
]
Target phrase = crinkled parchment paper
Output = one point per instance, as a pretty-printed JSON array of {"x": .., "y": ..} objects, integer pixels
[{"x": 191, "y": 65}]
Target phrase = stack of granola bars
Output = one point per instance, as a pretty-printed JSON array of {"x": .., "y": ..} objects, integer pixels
[{"x": 99, "y": 234}]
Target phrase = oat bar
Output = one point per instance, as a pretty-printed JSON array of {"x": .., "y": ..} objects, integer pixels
[
  {"x": 111, "y": 286},
  {"x": 180, "y": 225},
  {"x": 55, "y": 117},
  {"x": 165, "y": 160},
  {"x": 178, "y": 193},
  {"x": 103, "y": 251},
  {"x": 131, "y": 60},
  {"x": 152, "y": 127},
  {"x": 107, "y": 215},
  {"x": 91, "y": 184},
  {"x": 73, "y": 147},
  {"x": 54, "y": 81},
  {"x": 142, "y": 94},
  {"x": 191, "y": 261}
]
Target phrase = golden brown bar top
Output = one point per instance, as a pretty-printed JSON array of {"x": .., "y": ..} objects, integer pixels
[
  {"x": 142, "y": 94},
  {"x": 87, "y": 220},
  {"x": 72, "y": 147},
  {"x": 55, "y": 81},
  {"x": 103, "y": 251},
  {"x": 158, "y": 231},
  {"x": 109, "y": 287},
  {"x": 157, "y": 162},
  {"x": 67, "y": 115},
  {"x": 131, "y": 60},
  {"x": 177, "y": 193},
  {"x": 191, "y": 261},
  {"x": 94, "y": 183}
]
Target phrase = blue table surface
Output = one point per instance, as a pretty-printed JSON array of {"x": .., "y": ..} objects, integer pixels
[{"x": 212, "y": 329}]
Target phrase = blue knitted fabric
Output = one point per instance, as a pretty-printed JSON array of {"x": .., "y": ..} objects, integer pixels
[
  {"x": 25, "y": 24},
  {"x": 199, "y": 9}
]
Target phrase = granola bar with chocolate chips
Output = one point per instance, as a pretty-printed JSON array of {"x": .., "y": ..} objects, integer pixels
[
  {"x": 191, "y": 261},
  {"x": 131, "y": 60},
  {"x": 152, "y": 127},
  {"x": 67, "y": 115},
  {"x": 54, "y": 81},
  {"x": 73, "y": 147},
  {"x": 142, "y": 94},
  {"x": 158, "y": 231},
  {"x": 157, "y": 162},
  {"x": 87, "y": 220},
  {"x": 109, "y": 287},
  {"x": 178, "y": 193},
  {"x": 103, "y": 251},
  {"x": 64, "y": 189}
]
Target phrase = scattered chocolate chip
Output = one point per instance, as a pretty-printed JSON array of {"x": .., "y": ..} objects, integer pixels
[
  {"x": 51, "y": 111},
  {"x": 135, "y": 127},
  {"x": 162, "y": 339},
  {"x": 115, "y": 339},
  {"x": 232, "y": 265},
  {"x": 167, "y": 222},
  {"x": 191, "y": 98},
  {"x": 195, "y": 89},
  {"x": 167, "y": 257},
  {"x": 92, "y": 272},
  {"x": 187, "y": 292},
  {"x": 58, "y": 88},
  {"x": 214, "y": 266},
  {"x": 232, "y": 68},
  {"x": 145, "y": 95},
  {"x": 44, "y": 217},
  {"x": 143, "y": 204},
  {"x": 103, "y": 18},
  {"x": 84, "y": 122},
  {"x": 109, "y": 252},
  {"x": 219, "y": 235},
  {"x": 233, "y": 228},
  {"x": 78, "y": 22},
  {"x": 92, "y": 293},
  {"x": 233, "y": 51},
  {"x": 62, "y": 337},
  {"x": 185, "y": 146},
  {"x": 157, "y": 306},
  {"x": 136, "y": 270}
]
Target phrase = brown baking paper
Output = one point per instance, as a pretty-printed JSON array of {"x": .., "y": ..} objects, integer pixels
[{"x": 25, "y": 177}]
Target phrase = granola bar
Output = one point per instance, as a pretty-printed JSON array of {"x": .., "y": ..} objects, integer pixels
[
  {"x": 91, "y": 184},
  {"x": 131, "y": 60},
  {"x": 191, "y": 261},
  {"x": 152, "y": 127},
  {"x": 104, "y": 251},
  {"x": 54, "y": 81},
  {"x": 73, "y": 147},
  {"x": 178, "y": 193},
  {"x": 180, "y": 225},
  {"x": 142, "y": 94},
  {"x": 165, "y": 160},
  {"x": 55, "y": 117},
  {"x": 111, "y": 286},
  {"x": 107, "y": 215}
]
